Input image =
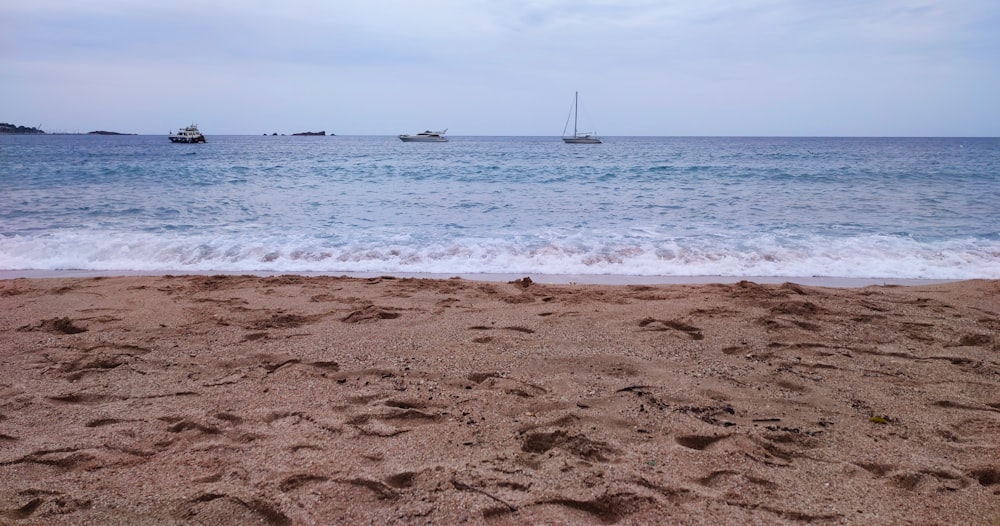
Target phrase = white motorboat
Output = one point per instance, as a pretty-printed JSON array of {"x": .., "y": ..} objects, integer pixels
[
  {"x": 426, "y": 136},
  {"x": 577, "y": 137},
  {"x": 189, "y": 134}
]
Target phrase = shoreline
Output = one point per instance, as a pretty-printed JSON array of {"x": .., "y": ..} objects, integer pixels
[{"x": 551, "y": 279}]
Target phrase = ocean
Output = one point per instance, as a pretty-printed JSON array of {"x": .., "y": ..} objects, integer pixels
[{"x": 633, "y": 208}]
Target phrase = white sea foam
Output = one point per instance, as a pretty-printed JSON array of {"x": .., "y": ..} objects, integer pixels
[{"x": 864, "y": 257}]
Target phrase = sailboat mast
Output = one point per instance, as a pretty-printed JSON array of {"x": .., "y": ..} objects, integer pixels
[{"x": 576, "y": 109}]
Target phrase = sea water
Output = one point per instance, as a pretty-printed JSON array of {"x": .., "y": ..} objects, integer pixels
[{"x": 896, "y": 208}]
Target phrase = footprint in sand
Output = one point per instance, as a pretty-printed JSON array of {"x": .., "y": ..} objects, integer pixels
[
  {"x": 653, "y": 324},
  {"x": 699, "y": 442}
]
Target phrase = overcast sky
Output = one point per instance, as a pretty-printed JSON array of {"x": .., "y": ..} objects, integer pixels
[{"x": 496, "y": 67}]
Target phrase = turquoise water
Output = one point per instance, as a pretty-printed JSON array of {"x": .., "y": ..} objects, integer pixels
[{"x": 909, "y": 208}]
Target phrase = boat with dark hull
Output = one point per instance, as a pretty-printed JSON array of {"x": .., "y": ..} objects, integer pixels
[{"x": 189, "y": 134}]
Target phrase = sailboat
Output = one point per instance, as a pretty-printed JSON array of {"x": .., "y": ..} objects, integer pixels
[{"x": 578, "y": 138}]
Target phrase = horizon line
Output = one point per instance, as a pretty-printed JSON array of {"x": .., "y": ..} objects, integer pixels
[{"x": 106, "y": 133}]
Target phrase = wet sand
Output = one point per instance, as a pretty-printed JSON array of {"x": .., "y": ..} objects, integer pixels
[{"x": 323, "y": 400}]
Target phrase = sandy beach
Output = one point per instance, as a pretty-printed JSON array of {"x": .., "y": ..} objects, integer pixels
[{"x": 325, "y": 400}]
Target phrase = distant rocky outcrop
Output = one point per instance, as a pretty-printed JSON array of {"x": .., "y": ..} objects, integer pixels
[
  {"x": 10, "y": 129},
  {"x": 102, "y": 132},
  {"x": 319, "y": 133}
]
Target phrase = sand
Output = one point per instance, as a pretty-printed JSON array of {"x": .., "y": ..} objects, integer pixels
[{"x": 325, "y": 400}]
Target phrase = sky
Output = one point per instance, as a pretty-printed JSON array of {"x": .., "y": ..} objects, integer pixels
[{"x": 504, "y": 67}]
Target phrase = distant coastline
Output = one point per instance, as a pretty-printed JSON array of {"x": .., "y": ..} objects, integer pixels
[
  {"x": 321, "y": 133},
  {"x": 11, "y": 129}
]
